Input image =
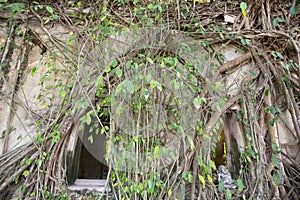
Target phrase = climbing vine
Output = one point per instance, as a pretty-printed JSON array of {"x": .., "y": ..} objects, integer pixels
[{"x": 156, "y": 79}]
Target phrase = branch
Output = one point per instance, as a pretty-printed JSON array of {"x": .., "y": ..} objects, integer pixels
[{"x": 233, "y": 63}]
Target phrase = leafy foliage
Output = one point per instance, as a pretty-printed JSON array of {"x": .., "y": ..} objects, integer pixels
[{"x": 156, "y": 74}]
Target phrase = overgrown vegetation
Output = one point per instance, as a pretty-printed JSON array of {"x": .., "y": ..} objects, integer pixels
[{"x": 155, "y": 78}]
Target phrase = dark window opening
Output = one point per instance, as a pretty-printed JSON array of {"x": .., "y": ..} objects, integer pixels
[
  {"x": 220, "y": 151},
  {"x": 87, "y": 168},
  {"x": 92, "y": 164},
  {"x": 90, "y": 167}
]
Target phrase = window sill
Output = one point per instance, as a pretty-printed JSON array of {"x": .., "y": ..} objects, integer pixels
[{"x": 88, "y": 186}]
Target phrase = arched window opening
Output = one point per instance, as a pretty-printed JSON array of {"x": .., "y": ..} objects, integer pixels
[{"x": 86, "y": 167}]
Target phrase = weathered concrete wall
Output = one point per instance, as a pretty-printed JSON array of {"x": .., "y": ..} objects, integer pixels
[{"x": 19, "y": 106}]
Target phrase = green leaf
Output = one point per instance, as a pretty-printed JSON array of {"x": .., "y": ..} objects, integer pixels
[
  {"x": 244, "y": 13},
  {"x": 276, "y": 179},
  {"x": 267, "y": 110},
  {"x": 273, "y": 110},
  {"x": 39, "y": 162},
  {"x": 228, "y": 194},
  {"x": 221, "y": 35},
  {"x": 25, "y": 173},
  {"x": 55, "y": 16},
  {"x": 191, "y": 142},
  {"x": 102, "y": 130},
  {"x": 112, "y": 64},
  {"x": 62, "y": 93},
  {"x": 267, "y": 92},
  {"x": 32, "y": 194},
  {"x": 240, "y": 185},
  {"x": 176, "y": 85},
  {"x": 129, "y": 86},
  {"x": 202, "y": 180},
  {"x": 88, "y": 117},
  {"x": 252, "y": 74},
  {"x": 245, "y": 41},
  {"x": 20, "y": 137},
  {"x": 221, "y": 187},
  {"x": 252, "y": 153},
  {"x": 275, "y": 149},
  {"x": 91, "y": 139},
  {"x": 150, "y": 184},
  {"x": 294, "y": 10},
  {"x": 150, "y": 6},
  {"x": 272, "y": 122},
  {"x": 156, "y": 152},
  {"x": 16, "y": 179},
  {"x": 200, "y": 161},
  {"x": 183, "y": 176},
  {"x": 127, "y": 64},
  {"x": 279, "y": 55},
  {"x": 212, "y": 164},
  {"x": 275, "y": 162},
  {"x": 145, "y": 93},
  {"x": 150, "y": 60},
  {"x": 99, "y": 81},
  {"x": 190, "y": 178},
  {"x": 197, "y": 102},
  {"x": 119, "y": 72},
  {"x": 169, "y": 192},
  {"x": 159, "y": 8},
  {"x": 285, "y": 65},
  {"x": 153, "y": 83},
  {"x": 159, "y": 86},
  {"x": 33, "y": 70},
  {"x": 209, "y": 178},
  {"x": 49, "y": 9},
  {"x": 107, "y": 69},
  {"x": 218, "y": 85},
  {"x": 16, "y": 7},
  {"x": 119, "y": 88},
  {"x": 275, "y": 22},
  {"x": 103, "y": 18},
  {"x": 3, "y": 1},
  {"x": 243, "y": 7},
  {"x": 22, "y": 188}
]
